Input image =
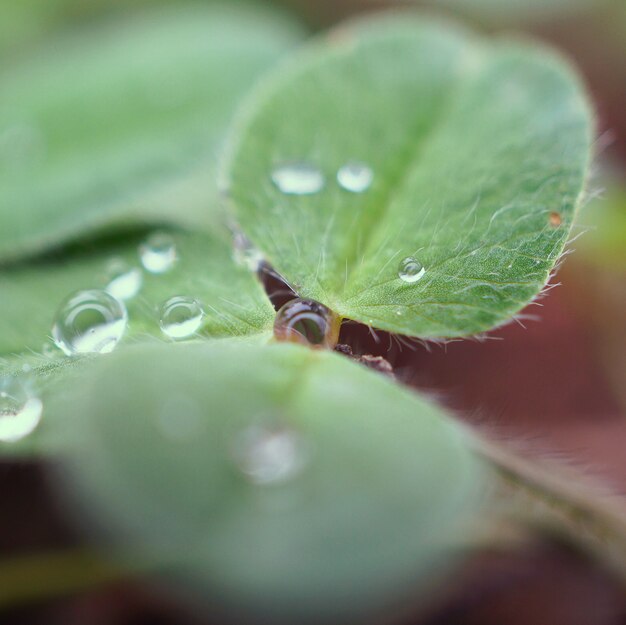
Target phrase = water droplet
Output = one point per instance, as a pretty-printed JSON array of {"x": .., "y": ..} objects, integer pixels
[
  {"x": 306, "y": 321},
  {"x": 245, "y": 254},
  {"x": 124, "y": 280},
  {"x": 20, "y": 408},
  {"x": 270, "y": 454},
  {"x": 298, "y": 178},
  {"x": 158, "y": 252},
  {"x": 355, "y": 177},
  {"x": 411, "y": 270},
  {"x": 91, "y": 321},
  {"x": 181, "y": 317}
]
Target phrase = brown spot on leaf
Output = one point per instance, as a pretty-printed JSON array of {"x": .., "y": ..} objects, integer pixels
[{"x": 555, "y": 219}]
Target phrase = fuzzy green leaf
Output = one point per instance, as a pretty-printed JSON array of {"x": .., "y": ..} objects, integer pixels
[
  {"x": 479, "y": 151},
  {"x": 118, "y": 126},
  {"x": 383, "y": 480},
  {"x": 233, "y": 299}
]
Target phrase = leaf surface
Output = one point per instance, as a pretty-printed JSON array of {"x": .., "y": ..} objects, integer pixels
[
  {"x": 383, "y": 480},
  {"x": 233, "y": 299},
  {"x": 479, "y": 151},
  {"x": 117, "y": 126}
]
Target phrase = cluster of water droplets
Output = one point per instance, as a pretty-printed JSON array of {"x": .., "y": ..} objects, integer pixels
[
  {"x": 305, "y": 178},
  {"x": 95, "y": 320}
]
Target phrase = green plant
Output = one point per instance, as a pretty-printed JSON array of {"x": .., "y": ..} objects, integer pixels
[{"x": 283, "y": 476}]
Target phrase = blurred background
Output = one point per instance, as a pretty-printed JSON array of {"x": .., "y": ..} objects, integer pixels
[{"x": 557, "y": 383}]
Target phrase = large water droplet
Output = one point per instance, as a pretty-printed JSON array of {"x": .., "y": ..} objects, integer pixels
[
  {"x": 91, "y": 321},
  {"x": 124, "y": 280},
  {"x": 306, "y": 321},
  {"x": 298, "y": 178},
  {"x": 411, "y": 270},
  {"x": 245, "y": 254},
  {"x": 20, "y": 408},
  {"x": 181, "y": 317},
  {"x": 158, "y": 252},
  {"x": 355, "y": 177},
  {"x": 270, "y": 454}
]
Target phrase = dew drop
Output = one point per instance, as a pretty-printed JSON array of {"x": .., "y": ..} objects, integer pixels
[
  {"x": 124, "y": 280},
  {"x": 307, "y": 322},
  {"x": 411, "y": 270},
  {"x": 91, "y": 321},
  {"x": 158, "y": 252},
  {"x": 270, "y": 454},
  {"x": 355, "y": 177},
  {"x": 245, "y": 254},
  {"x": 20, "y": 408},
  {"x": 298, "y": 178},
  {"x": 180, "y": 317}
]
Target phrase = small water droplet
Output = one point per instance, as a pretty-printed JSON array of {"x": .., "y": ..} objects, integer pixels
[
  {"x": 245, "y": 254},
  {"x": 307, "y": 322},
  {"x": 298, "y": 178},
  {"x": 180, "y": 317},
  {"x": 20, "y": 408},
  {"x": 90, "y": 321},
  {"x": 124, "y": 280},
  {"x": 158, "y": 252},
  {"x": 355, "y": 177},
  {"x": 399, "y": 312},
  {"x": 270, "y": 454},
  {"x": 411, "y": 270}
]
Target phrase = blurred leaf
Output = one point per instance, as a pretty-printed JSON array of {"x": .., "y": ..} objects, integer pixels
[
  {"x": 118, "y": 126},
  {"x": 359, "y": 493},
  {"x": 233, "y": 299},
  {"x": 516, "y": 10},
  {"x": 479, "y": 152}
]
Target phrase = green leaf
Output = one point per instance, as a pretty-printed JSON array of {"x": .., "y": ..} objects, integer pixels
[
  {"x": 516, "y": 10},
  {"x": 479, "y": 151},
  {"x": 118, "y": 126},
  {"x": 233, "y": 299},
  {"x": 360, "y": 496}
]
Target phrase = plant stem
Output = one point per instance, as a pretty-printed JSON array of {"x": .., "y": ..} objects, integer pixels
[{"x": 558, "y": 499}]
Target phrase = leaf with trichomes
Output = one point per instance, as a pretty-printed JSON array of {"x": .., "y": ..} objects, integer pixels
[
  {"x": 233, "y": 300},
  {"x": 478, "y": 150}
]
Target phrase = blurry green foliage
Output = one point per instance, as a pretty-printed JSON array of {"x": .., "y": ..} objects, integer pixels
[{"x": 475, "y": 146}]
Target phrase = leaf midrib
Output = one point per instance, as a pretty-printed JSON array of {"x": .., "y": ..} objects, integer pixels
[{"x": 379, "y": 205}]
